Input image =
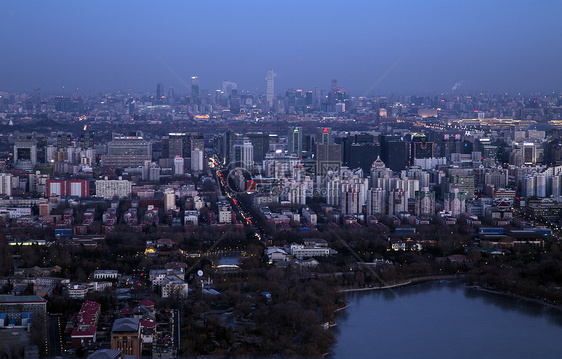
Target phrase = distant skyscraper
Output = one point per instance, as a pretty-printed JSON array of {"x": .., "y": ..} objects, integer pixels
[
  {"x": 195, "y": 90},
  {"x": 270, "y": 88},
  {"x": 37, "y": 96},
  {"x": 334, "y": 86},
  {"x": 228, "y": 87},
  {"x": 170, "y": 95},
  {"x": 159, "y": 92}
]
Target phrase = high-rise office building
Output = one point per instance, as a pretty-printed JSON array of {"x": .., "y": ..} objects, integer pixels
[
  {"x": 228, "y": 87},
  {"x": 179, "y": 144},
  {"x": 159, "y": 93},
  {"x": 171, "y": 96},
  {"x": 294, "y": 140},
  {"x": 197, "y": 154},
  {"x": 179, "y": 166},
  {"x": 195, "y": 90},
  {"x": 360, "y": 151},
  {"x": 419, "y": 147},
  {"x": 110, "y": 188},
  {"x": 325, "y": 136},
  {"x": 25, "y": 152},
  {"x": 260, "y": 141},
  {"x": 6, "y": 185},
  {"x": 243, "y": 155},
  {"x": 225, "y": 144},
  {"x": 64, "y": 140},
  {"x": 328, "y": 159},
  {"x": 197, "y": 157},
  {"x": 130, "y": 150},
  {"x": 394, "y": 152},
  {"x": 87, "y": 140},
  {"x": 270, "y": 93}
]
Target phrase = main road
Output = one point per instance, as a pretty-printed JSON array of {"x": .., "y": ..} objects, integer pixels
[{"x": 235, "y": 202}]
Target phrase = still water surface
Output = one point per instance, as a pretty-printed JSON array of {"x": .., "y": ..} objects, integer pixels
[{"x": 445, "y": 320}]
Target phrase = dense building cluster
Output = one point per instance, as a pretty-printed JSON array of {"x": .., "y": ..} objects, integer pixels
[{"x": 184, "y": 171}]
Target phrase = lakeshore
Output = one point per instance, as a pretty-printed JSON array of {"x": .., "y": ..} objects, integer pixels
[
  {"x": 517, "y": 296},
  {"x": 415, "y": 280}
]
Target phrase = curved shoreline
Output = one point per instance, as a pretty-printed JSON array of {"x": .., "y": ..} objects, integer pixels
[
  {"x": 517, "y": 296},
  {"x": 414, "y": 280}
]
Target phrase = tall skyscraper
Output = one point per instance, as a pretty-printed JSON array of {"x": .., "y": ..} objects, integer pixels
[
  {"x": 226, "y": 142},
  {"x": 325, "y": 136},
  {"x": 419, "y": 147},
  {"x": 228, "y": 87},
  {"x": 270, "y": 94},
  {"x": 295, "y": 141},
  {"x": 195, "y": 90},
  {"x": 180, "y": 144},
  {"x": 159, "y": 92},
  {"x": 328, "y": 159},
  {"x": 170, "y": 95},
  {"x": 260, "y": 141},
  {"x": 243, "y": 153},
  {"x": 394, "y": 152}
]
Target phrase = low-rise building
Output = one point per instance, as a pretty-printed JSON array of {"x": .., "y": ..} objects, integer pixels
[
  {"x": 173, "y": 286},
  {"x": 301, "y": 251},
  {"x": 77, "y": 291},
  {"x": 276, "y": 254},
  {"x": 125, "y": 336},
  {"x": 104, "y": 274},
  {"x": 191, "y": 218}
]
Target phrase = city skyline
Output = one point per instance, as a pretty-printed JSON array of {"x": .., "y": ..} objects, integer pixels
[{"x": 429, "y": 48}]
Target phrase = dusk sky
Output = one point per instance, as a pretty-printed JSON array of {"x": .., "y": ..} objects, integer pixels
[{"x": 494, "y": 46}]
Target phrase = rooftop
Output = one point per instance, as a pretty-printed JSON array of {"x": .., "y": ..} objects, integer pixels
[
  {"x": 22, "y": 298},
  {"x": 126, "y": 325}
]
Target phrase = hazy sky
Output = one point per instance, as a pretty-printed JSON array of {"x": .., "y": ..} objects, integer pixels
[{"x": 494, "y": 46}]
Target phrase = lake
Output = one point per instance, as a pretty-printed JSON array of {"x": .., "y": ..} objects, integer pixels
[{"x": 445, "y": 319}]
